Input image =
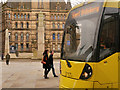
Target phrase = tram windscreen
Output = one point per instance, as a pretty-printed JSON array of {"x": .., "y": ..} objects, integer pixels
[{"x": 80, "y": 31}]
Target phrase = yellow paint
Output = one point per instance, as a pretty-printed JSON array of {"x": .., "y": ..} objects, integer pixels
[{"x": 105, "y": 75}]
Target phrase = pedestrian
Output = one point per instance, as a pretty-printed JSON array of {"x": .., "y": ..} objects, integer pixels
[
  {"x": 51, "y": 63},
  {"x": 16, "y": 53},
  {"x": 7, "y": 58},
  {"x": 2, "y": 57},
  {"x": 46, "y": 64}
]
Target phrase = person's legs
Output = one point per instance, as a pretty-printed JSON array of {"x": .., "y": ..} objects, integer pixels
[
  {"x": 53, "y": 71},
  {"x": 45, "y": 73},
  {"x": 7, "y": 62},
  {"x": 48, "y": 70}
]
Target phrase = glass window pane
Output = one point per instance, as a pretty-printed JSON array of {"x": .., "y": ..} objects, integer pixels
[{"x": 107, "y": 40}]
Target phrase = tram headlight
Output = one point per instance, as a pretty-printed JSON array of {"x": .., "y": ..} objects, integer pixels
[{"x": 87, "y": 72}]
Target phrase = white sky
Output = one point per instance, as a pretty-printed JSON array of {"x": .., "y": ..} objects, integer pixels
[{"x": 73, "y": 2}]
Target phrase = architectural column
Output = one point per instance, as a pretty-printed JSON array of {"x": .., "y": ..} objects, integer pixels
[
  {"x": 0, "y": 30},
  {"x": 38, "y": 54},
  {"x": 7, "y": 49},
  {"x": 41, "y": 31}
]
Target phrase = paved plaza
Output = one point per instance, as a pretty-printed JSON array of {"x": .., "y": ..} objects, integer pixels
[{"x": 28, "y": 74}]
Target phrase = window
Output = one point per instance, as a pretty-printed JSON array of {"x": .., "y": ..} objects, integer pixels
[
  {"x": 64, "y": 16},
  {"x": 28, "y": 16},
  {"x": 18, "y": 15},
  {"x": 63, "y": 25},
  {"x": 22, "y": 37},
  {"x": 61, "y": 16},
  {"x": 21, "y": 24},
  {"x": 27, "y": 46},
  {"x": 16, "y": 25},
  {"x": 53, "y": 25},
  {"x": 58, "y": 17},
  {"x": 27, "y": 36},
  {"x": 9, "y": 15},
  {"x": 58, "y": 46},
  {"x": 55, "y": 17},
  {"x": 27, "y": 25},
  {"x": 36, "y": 25},
  {"x": 107, "y": 39},
  {"x": 16, "y": 36},
  {"x": 53, "y": 46},
  {"x": 21, "y": 15},
  {"x": 58, "y": 36},
  {"x": 58, "y": 25},
  {"x": 25, "y": 16},
  {"x": 53, "y": 36},
  {"x": 15, "y": 15},
  {"x": 16, "y": 46},
  {"x": 37, "y": 16},
  {"x": 21, "y": 46},
  {"x": 9, "y": 36}
]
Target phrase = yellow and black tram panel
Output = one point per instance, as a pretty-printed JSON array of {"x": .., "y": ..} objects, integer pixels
[{"x": 90, "y": 56}]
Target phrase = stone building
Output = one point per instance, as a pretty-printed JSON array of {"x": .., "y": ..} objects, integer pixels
[{"x": 21, "y": 20}]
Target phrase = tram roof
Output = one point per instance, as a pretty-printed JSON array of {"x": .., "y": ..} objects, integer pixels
[{"x": 107, "y": 3}]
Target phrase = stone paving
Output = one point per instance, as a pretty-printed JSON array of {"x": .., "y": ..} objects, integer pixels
[{"x": 28, "y": 74}]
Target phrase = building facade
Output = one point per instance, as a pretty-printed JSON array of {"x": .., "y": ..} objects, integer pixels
[{"x": 21, "y": 20}]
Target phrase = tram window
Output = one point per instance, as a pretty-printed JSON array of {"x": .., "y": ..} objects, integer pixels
[{"x": 107, "y": 39}]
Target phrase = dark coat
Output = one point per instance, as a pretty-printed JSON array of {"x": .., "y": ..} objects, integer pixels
[
  {"x": 51, "y": 59},
  {"x": 45, "y": 59},
  {"x": 8, "y": 57}
]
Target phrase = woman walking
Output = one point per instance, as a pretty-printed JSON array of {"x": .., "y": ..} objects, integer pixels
[{"x": 46, "y": 64}]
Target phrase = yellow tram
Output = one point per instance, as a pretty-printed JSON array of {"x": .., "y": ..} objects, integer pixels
[{"x": 90, "y": 54}]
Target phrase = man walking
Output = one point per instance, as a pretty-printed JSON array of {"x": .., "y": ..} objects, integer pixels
[
  {"x": 7, "y": 58},
  {"x": 51, "y": 62}
]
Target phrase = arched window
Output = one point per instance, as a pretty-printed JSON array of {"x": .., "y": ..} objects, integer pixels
[
  {"x": 21, "y": 15},
  {"x": 22, "y": 37},
  {"x": 16, "y": 36},
  {"x": 18, "y": 15},
  {"x": 63, "y": 25},
  {"x": 25, "y": 16},
  {"x": 53, "y": 36},
  {"x": 15, "y": 15},
  {"x": 16, "y": 25},
  {"x": 58, "y": 36},
  {"x": 21, "y": 24},
  {"x": 22, "y": 46},
  {"x": 58, "y": 17},
  {"x": 27, "y": 25},
  {"x": 27, "y": 46},
  {"x": 53, "y": 25},
  {"x": 55, "y": 16},
  {"x": 64, "y": 16},
  {"x": 28, "y": 16},
  {"x": 27, "y": 37},
  {"x": 58, "y": 25},
  {"x": 9, "y": 15}
]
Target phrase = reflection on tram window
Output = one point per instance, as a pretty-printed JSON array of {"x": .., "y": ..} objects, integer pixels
[{"x": 107, "y": 40}]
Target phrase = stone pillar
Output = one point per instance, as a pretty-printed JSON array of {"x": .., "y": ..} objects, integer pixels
[
  {"x": 0, "y": 30},
  {"x": 41, "y": 31},
  {"x": 6, "y": 42},
  {"x": 38, "y": 54}
]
